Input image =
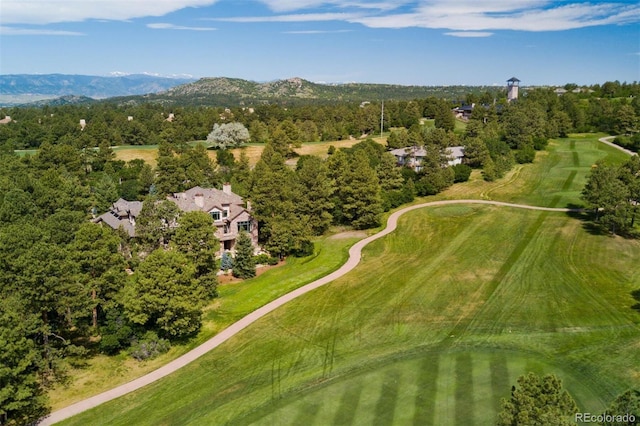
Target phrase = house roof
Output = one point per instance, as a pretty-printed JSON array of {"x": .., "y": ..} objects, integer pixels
[
  {"x": 124, "y": 207},
  {"x": 211, "y": 198},
  {"x": 115, "y": 222},
  {"x": 513, "y": 79},
  {"x": 413, "y": 151},
  {"x": 456, "y": 151}
]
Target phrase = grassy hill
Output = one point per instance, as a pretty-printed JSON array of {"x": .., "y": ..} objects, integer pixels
[
  {"x": 224, "y": 91},
  {"x": 436, "y": 323}
]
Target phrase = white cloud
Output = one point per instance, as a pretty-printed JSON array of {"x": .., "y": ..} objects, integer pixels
[
  {"x": 13, "y": 31},
  {"x": 469, "y": 34},
  {"x": 524, "y": 15},
  {"x": 316, "y": 32},
  {"x": 302, "y": 17},
  {"x": 292, "y": 5},
  {"x": 51, "y": 11},
  {"x": 165, "y": 26}
]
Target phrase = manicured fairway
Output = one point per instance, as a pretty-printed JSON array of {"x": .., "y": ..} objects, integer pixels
[
  {"x": 458, "y": 288},
  {"x": 435, "y": 324},
  {"x": 554, "y": 180}
]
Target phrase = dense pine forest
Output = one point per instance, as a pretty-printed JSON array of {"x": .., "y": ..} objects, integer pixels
[{"x": 70, "y": 288}]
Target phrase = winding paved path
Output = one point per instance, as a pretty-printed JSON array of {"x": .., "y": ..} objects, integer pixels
[
  {"x": 355, "y": 254},
  {"x": 607, "y": 140}
]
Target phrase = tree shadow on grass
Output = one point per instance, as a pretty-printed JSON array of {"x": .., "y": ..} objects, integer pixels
[
  {"x": 587, "y": 217},
  {"x": 636, "y": 295}
]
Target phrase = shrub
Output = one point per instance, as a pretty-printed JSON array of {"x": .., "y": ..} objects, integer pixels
[
  {"x": 540, "y": 143},
  {"x": 525, "y": 155},
  {"x": 265, "y": 259},
  {"x": 149, "y": 347},
  {"x": 461, "y": 173}
]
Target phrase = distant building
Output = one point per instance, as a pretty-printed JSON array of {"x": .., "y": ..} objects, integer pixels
[
  {"x": 5, "y": 120},
  {"x": 512, "y": 89},
  {"x": 413, "y": 156},
  {"x": 227, "y": 210}
]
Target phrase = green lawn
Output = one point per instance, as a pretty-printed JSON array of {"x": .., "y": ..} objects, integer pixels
[
  {"x": 236, "y": 300},
  {"x": 435, "y": 324},
  {"x": 555, "y": 179}
]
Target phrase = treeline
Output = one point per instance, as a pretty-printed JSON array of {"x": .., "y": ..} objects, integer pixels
[
  {"x": 613, "y": 194},
  {"x": 611, "y": 108}
]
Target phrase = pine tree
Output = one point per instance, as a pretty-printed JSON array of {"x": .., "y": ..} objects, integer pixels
[
  {"x": 164, "y": 294},
  {"x": 538, "y": 401},
  {"x": 361, "y": 194},
  {"x": 243, "y": 265},
  {"x": 226, "y": 262},
  {"x": 317, "y": 189},
  {"x": 22, "y": 398}
]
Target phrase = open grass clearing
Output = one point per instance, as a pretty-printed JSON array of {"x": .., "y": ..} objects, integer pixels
[
  {"x": 149, "y": 153},
  {"x": 101, "y": 372},
  {"x": 468, "y": 286}
]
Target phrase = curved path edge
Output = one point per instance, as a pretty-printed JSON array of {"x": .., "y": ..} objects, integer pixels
[
  {"x": 607, "y": 140},
  {"x": 355, "y": 254}
]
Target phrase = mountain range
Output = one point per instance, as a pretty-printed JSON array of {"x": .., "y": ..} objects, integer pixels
[
  {"x": 60, "y": 89},
  {"x": 26, "y": 88}
]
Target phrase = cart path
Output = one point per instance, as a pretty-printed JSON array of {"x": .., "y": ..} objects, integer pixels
[
  {"x": 607, "y": 140},
  {"x": 355, "y": 254}
]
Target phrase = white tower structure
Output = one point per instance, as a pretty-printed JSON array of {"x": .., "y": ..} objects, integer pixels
[{"x": 512, "y": 89}]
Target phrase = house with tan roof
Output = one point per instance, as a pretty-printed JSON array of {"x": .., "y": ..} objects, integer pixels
[
  {"x": 230, "y": 215},
  {"x": 228, "y": 211},
  {"x": 413, "y": 156}
]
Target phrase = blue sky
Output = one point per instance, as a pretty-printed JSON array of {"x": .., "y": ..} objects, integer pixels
[{"x": 426, "y": 42}]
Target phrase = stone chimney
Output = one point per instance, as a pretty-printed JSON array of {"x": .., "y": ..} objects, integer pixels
[
  {"x": 199, "y": 200},
  {"x": 226, "y": 188},
  {"x": 249, "y": 205}
]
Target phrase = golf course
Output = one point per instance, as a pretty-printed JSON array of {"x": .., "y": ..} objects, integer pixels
[{"x": 436, "y": 322}]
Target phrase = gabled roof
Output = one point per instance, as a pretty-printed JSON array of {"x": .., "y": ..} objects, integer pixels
[
  {"x": 456, "y": 151},
  {"x": 413, "y": 151},
  {"x": 211, "y": 198},
  {"x": 124, "y": 208}
]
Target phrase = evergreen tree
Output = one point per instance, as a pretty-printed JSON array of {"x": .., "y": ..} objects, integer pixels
[
  {"x": 157, "y": 222},
  {"x": 361, "y": 194},
  {"x": 22, "y": 399},
  {"x": 163, "y": 293},
  {"x": 226, "y": 262},
  {"x": 625, "y": 405},
  {"x": 101, "y": 266},
  {"x": 538, "y": 401},
  {"x": 195, "y": 238},
  {"x": 243, "y": 265},
  {"x": 316, "y": 196},
  {"x": 389, "y": 174}
]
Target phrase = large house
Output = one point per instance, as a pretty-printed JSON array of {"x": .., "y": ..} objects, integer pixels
[
  {"x": 413, "y": 156},
  {"x": 229, "y": 214}
]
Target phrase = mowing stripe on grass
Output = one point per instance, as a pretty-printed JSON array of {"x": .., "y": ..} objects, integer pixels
[
  {"x": 307, "y": 412},
  {"x": 569, "y": 181},
  {"x": 349, "y": 402},
  {"x": 386, "y": 406},
  {"x": 464, "y": 390},
  {"x": 576, "y": 159},
  {"x": 425, "y": 400},
  {"x": 445, "y": 400},
  {"x": 500, "y": 384}
]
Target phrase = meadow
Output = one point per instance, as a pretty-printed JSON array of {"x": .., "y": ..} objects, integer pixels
[{"x": 436, "y": 323}]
